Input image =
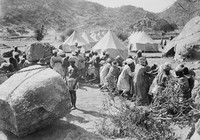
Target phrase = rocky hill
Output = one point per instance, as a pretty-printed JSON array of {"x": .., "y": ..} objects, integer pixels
[
  {"x": 85, "y": 15},
  {"x": 181, "y": 11},
  {"x": 61, "y": 14}
]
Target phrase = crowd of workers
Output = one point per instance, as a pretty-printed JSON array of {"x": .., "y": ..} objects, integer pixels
[{"x": 131, "y": 78}]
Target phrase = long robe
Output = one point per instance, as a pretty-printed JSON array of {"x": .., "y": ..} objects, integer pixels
[
  {"x": 123, "y": 80},
  {"x": 104, "y": 73},
  {"x": 141, "y": 85}
]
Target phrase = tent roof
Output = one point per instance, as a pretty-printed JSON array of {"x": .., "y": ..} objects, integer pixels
[
  {"x": 134, "y": 37},
  {"x": 131, "y": 35},
  {"x": 100, "y": 35},
  {"x": 75, "y": 38},
  {"x": 95, "y": 37},
  {"x": 109, "y": 41},
  {"x": 87, "y": 38},
  {"x": 143, "y": 38},
  {"x": 112, "y": 44}
]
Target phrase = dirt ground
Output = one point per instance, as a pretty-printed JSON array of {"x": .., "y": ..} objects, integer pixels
[{"x": 82, "y": 124}]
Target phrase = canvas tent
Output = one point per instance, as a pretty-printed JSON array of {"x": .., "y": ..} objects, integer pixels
[
  {"x": 169, "y": 49},
  {"x": 69, "y": 44},
  {"x": 100, "y": 35},
  {"x": 142, "y": 41},
  {"x": 95, "y": 37},
  {"x": 112, "y": 45},
  {"x": 133, "y": 37},
  {"x": 104, "y": 33},
  {"x": 132, "y": 34},
  {"x": 187, "y": 44},
  {"x": 88, "y": 39}
]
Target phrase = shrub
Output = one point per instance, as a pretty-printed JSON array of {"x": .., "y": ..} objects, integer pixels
[
  {"x": 40, "y": 33},
  {"x": 135, "y": 123}
]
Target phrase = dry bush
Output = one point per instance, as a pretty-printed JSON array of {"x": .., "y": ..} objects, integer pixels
[{"x": 133, "y": 122}]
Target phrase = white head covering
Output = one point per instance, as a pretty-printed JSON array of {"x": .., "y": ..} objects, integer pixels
[
  {"x": 129, "y": 61},
  {"x": 55, "y": 51}
]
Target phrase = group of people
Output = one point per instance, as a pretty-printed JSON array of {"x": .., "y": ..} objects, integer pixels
[
  {"x": 15, "y": 62},
  {"x": 131, "y": 78}
]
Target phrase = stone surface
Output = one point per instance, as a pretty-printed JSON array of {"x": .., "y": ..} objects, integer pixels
[
  {"x": 32, "y": 99},
  {"x": 37, "y": 51},
  {"x": 196, "y": 135}
]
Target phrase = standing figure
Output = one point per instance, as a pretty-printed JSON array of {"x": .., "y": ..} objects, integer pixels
[
  {"x": 65, "y": 65},
  {"x": 182, "y": 84},
  {"x": 81, "y": 64},
  {"x": 162, "y": 79},
  {"x": 139, "y": 54},
  {"x": 123, "y": 84},
  {"x": 111, "y": 78},
  {"x": 56, "y": 63},
  {"x": 105, "y": 71},
  {"x": 141, "y": 85},
  {"x": 72, "y": 82}
]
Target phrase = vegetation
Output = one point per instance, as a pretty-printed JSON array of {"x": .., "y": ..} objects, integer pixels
[
  {"x": 77, "y": 14},
  {"x": 134, "y": 123},
  {"x": 152, "y": 122},
  {"x": 163, "y": 25},
  {"x": 39, "y": 33}
]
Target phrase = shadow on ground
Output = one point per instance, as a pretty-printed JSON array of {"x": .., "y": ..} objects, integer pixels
[{"x": 58, "y": 130}]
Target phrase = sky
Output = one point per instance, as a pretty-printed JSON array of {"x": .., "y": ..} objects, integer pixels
[{"x": 149, "y": 5}]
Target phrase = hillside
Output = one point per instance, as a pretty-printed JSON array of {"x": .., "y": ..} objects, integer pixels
[
  {"x": 181, "y": 11},
  {"x": 62, "y": 14},
  {"x": 85, "y": 15}
]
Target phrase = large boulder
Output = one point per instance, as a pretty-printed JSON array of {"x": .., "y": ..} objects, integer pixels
[
  {"x": 37, "y": 51},
  {"x": 196, "y": 135},
  {"x": 32, "y": 99}
]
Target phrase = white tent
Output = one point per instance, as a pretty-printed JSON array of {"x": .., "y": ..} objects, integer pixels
[
  {"x": 131, "y": 35},
  {"x": 112, "y": 45},
  {"x": 88, "y": 39},
  {"x": 95, "y": 37},
  {"x": 104, "y": 32},
  {"x": 100, "y": 35},
  {"x": 69, "y": 44},
  {"x": 142, "y": 41},
  {"x": 134, "y": 37}
]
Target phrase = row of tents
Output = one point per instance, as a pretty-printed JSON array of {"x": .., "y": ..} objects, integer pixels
[{"x": 110, "y": 43}]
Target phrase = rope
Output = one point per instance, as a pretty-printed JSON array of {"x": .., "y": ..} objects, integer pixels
[{"x": 8, "y": 73}]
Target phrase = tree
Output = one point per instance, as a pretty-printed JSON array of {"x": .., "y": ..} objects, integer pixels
[
  {"x": 39, "y": 33},
  {"x": 122, "y": 36},
  {"x": 163, "y": 25}
]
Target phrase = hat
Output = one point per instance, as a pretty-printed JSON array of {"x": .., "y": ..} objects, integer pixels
[
  {"x": 129, "y": 61},
  {"x": 167, "y": 66},
  {"x": 179, "y": 68},
  {"x": 142, "y": 61},
  {"x": 139, "y": 51},
  {"x": 55, "y": 51}
]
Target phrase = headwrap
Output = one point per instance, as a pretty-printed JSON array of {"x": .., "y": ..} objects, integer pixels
[{"x": 129, "y": 61}]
